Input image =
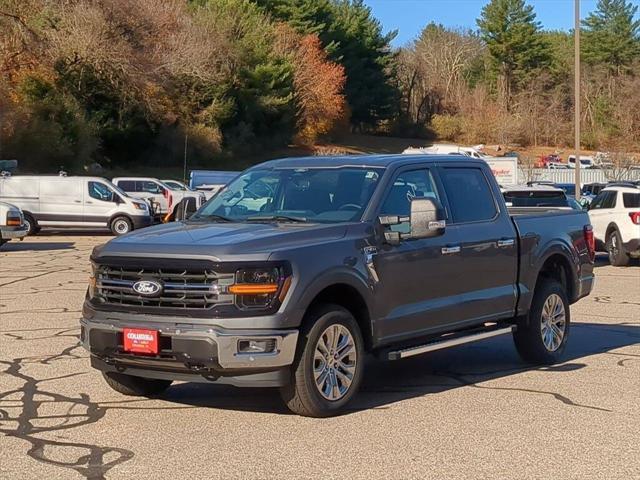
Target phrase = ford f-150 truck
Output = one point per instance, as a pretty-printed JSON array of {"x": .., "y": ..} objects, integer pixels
[{"x": 299, "y": 268}]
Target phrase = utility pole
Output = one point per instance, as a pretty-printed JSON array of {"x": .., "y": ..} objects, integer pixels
[
  {"x": 184, "y": 164},
  {"x": 576, "y": 101}
]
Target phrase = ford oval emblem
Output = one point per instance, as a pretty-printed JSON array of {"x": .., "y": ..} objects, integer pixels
[{"x": 147, "y": 288}]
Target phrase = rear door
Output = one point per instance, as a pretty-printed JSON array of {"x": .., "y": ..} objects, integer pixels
[
  {"x": 60, "y": 201},
  {"x": 417, "y": 287},
  {"x": 486, "y": 282}
]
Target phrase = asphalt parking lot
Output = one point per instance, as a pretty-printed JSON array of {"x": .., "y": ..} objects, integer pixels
[{"x": 470, "y": 412}]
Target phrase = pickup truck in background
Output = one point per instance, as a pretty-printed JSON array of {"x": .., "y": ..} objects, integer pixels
[
  {"x": 166, "y": 200},
  {"x": 302, "y": 267}
]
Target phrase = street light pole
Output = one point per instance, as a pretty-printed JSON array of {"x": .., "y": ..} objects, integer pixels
[{"x": 576, "y": 102}]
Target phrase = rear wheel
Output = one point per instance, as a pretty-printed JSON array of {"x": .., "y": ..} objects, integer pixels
[
  {"x": 121, "y": 225},
  {"x": 31, "y": 224},
  {"x": 135, "y": 386},
  {"x": 617, "y": 256},
  {"x": 542, "y": 337},
  {"x": 329, "y": 363}
]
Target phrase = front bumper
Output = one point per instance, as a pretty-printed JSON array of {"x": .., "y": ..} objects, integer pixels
[
  {"x": 142, "y": 221},
  {"x": 12, "y": 233},
  {"x": 194, "y": 353}
]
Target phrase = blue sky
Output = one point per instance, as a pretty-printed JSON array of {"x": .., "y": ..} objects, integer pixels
[{"x": 410, "y": 16}]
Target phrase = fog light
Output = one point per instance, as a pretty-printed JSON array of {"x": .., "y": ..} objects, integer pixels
[{"x": 257, "y": 346}]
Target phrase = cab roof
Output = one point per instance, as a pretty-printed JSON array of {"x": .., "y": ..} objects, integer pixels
[{"x": 361, "y": 161}]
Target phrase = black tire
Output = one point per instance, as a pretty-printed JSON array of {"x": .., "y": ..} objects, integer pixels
[
  {"x": 31, "y": 224},
  {"x": 2, "y": 242},
  {"x": 135, "y": 386},
  {"x": 302, "y": 396},
  {"x": 121, "y": 225},
  {"x": 528, "y": 336},
  {"x": 617, "y": 256}
]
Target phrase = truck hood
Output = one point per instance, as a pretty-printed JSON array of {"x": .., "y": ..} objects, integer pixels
[{"x": 219, "y": 241}]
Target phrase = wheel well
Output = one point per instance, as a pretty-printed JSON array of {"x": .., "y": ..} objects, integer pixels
[
  {"x": 348, "y": 297},
  {"x": 557, "y": 267},
  {"x": 611, "y": 228}
]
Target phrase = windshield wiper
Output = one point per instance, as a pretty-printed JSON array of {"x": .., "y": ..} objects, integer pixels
[
  {"x": 276, "y": 218},
  {"x": 215, "y": 218}
]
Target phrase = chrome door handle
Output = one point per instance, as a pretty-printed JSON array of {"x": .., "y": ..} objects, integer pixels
[
  {"x": 90, "y": 203},
  {"x": 506, "y": 242},
  {"x": 78, "y": 201},
  {"x": 450, "y": 250}
]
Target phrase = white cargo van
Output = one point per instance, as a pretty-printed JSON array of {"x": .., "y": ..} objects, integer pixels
[
  {"x": 73, "y": 202},
  {"x": 164, "y": 197}
]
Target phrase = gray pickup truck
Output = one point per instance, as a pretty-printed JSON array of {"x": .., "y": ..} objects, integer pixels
[{"x": 299, "y": 268}]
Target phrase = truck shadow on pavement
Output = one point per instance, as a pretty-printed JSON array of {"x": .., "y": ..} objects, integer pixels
[
  {"x": 27, "y": 246},
  {"x": 25, "y": 406},
  {"x": 386, "y": 383}
]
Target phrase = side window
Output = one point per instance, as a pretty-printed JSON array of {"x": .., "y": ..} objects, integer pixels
[
  {"x": 609, "y": 200},
  {"x": 406, "y": 187},
  {"x": 469, "y": 194},
  {"x": 631, "y": 200},
  {"x": 150, "y": 187},
  {"x": 597, "y": 202},
  {"x": 100, "y": 191},
  {"x": 127, "y": 185}
]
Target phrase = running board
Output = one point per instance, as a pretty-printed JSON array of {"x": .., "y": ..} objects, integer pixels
[{"x": 452, "y": 342}]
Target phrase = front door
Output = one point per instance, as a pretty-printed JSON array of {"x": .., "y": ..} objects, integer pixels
[
  {"x": 99, "y": 203},
  {"x": 601, "y": 215},
  {"x": 416, "y": 291}
]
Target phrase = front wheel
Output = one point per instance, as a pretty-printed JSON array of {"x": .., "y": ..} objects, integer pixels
[
  {"x": 31, "y": 224},
  {"x": 541, "y": 338},
  {"x": 135, "y": 386},
  {"x": 329, "y": 363},
  {"x": 617, "y": 256},
  {"x": 121, "y": 225}
]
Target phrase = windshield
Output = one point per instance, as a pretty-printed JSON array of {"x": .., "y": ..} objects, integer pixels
[
  {"x": 318, "y": 195},
  {"x": 173, "y": 185}
]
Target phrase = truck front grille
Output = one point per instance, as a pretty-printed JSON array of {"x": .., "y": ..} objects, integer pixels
[{"x": 180, "y": 288}]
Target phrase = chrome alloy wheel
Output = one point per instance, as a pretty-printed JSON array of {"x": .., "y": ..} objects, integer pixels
[
  {"x": 613, "y": 247},
  {"x": 554, "y": 323},
  {"x": 334, "y": 362}
]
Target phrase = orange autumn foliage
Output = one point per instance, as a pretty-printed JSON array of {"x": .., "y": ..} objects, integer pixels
[{"x": 318, "y": 84}]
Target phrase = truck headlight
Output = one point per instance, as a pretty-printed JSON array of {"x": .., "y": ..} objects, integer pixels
[
  {"x": 260, "y": 287},
  {"x": 91, "y": 291},
  {"x": 140, "y": 206}
]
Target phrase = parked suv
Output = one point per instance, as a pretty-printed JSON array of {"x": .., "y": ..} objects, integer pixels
[
  {"x": 615, "y": 214},
  {"x": 299, "y": 268}
]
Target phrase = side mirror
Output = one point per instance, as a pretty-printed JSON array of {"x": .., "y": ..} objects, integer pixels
[
  {"x": 426, "y": 220},
  {"x": 185, "y": 209}
]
